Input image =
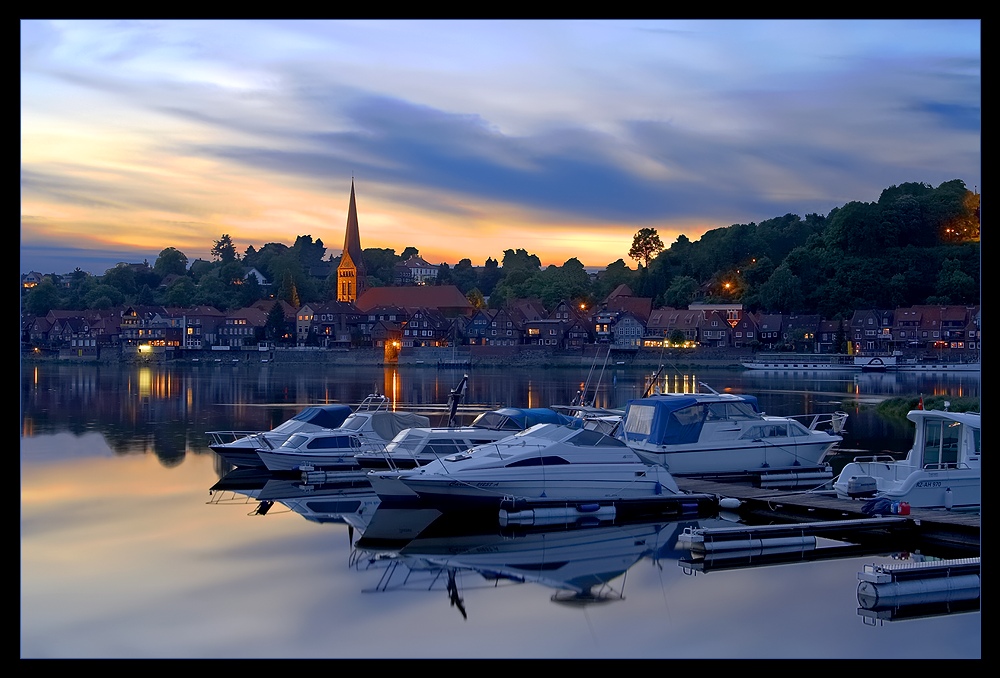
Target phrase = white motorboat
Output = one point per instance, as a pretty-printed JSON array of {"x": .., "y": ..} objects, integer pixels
[
  {"x": 941, "y": 470},
  {"x": 239, "y": 448},
  {"x": 335, "y": 449},
  {"x": 719, "y": 434},
  {"x": 545, "y": 463},
  {"x": 418, "y": 446}
]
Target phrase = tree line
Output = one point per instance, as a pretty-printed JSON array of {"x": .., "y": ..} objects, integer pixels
[{"x": 916, "y": 245}]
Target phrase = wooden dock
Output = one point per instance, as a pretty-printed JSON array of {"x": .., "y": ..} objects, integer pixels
[{"x": 939, "y": 528}]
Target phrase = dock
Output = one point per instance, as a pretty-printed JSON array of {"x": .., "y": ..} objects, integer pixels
[{"x": 943, "y": 529}]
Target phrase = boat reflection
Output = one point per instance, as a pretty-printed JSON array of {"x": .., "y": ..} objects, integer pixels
[
  {"x": 348, "y": 499},
  {"x": 584, "y": 562}
]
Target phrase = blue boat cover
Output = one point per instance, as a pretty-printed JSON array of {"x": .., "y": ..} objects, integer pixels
[
  {"x": 520, "y": 418},
  {"x": 668, "y": 419},
  {"x": 325, "y": 416}
]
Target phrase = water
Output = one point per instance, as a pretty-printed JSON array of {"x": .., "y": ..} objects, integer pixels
[{"x": 126, "y": 554}]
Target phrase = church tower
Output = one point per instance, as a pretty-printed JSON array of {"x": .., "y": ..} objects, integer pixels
[{"x": 351, "y": 272}]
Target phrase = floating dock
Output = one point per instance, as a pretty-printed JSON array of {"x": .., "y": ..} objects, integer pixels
[{"x": 948, "y": 529}]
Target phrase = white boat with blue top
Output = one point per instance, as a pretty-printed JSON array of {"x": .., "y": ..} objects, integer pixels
[{"x": 718, "y": 434}]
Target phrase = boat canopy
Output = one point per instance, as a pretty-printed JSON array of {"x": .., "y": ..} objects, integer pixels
[
  {"x": 678, "y": 419},
  {"x": 519, "y": 418},
  {"x": 388, "y": 424},
  {"x": 324, "y": 416}
]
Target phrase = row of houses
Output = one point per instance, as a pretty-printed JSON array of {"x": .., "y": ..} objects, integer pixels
[{"x": 417, "y": 316}]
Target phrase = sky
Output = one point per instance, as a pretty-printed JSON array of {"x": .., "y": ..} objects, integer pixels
[{"x": 467, "y": 138}]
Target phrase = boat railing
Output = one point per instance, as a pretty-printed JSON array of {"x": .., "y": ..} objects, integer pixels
[
  {"x": 947, "y": 465},
  {"x": 373, "y": 402},
  {"x": 875, "y": 459},
  {"x": 226, "y": 437},
  {"x": 829, "y": 421}
]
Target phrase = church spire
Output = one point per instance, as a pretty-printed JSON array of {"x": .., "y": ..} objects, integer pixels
[{"x": 351, "y": 272}]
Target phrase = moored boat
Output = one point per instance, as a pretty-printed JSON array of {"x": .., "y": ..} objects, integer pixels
[
  {"x": 718, "y": 434},
  {"x": 239, "y": 448},
  {"x": 941, "y": 470},
  {"x": 545, "y": 463}
]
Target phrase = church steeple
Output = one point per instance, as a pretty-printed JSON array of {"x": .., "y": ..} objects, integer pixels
[{"x": 351, "y": 272}]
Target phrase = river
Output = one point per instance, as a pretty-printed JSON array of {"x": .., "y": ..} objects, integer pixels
[{"x": 125, "y": 552}]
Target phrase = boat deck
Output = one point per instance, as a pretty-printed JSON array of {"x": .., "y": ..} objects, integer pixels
[{"x": 950, "y": 529}]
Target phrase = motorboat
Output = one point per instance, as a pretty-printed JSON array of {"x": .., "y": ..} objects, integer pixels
[
  {"x": 720, "y": 434},
  {"x": 418, "y": 446},
  {"x": 941, "y": 470},
  {"x": 335, "y": 449},
  {"x": 542, "y": 464},
  {"x": 239, "y": 448}
]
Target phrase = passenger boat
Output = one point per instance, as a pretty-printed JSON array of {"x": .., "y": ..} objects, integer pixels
[
  {"x": 239, "y": 448},
  {"x": 545, "y": 463},
  {"x": 841, "y": 362},
  {"x": 941, "y": 470},
  {"x": 720, "y": 434},
  {"x": 335, "y": 449}
]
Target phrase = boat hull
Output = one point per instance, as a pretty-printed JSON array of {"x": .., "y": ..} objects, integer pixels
[
  {"x": 923, "y": 488},
  {"x": 689, "y": 460},
  {"x": 573, "y": 483},
  {"x": 279, "y": 461}
]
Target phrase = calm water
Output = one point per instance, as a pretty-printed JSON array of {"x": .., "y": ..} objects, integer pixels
[{"x": 126, "y": 552}]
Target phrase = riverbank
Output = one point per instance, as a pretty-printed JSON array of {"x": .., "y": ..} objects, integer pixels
[{"x": 467, "y": 357}]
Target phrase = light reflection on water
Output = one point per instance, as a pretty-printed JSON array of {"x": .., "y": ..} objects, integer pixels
[{"x": 124, "y": 553}]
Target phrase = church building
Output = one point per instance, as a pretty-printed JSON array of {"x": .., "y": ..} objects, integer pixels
[{"x": 351, "y": 275}]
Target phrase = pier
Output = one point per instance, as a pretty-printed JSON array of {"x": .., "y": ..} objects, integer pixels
[{"x": 948, "y": 529}]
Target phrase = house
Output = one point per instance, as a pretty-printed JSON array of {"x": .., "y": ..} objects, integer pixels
[
  {"x": 415, "y": 271},
  {"x": 799, "y": 332},
  {"x": 426, "y": 327},
  {"x": 243, "y": 327},
  {"x": 745, "y": 332},
  {"x": 545, "y": 332},
  {"x": 714, "y": 329},
  {"x": 333, "y": 324},
  {"x": 627, "y": 330},
  {"x": 771, "y": 329}
]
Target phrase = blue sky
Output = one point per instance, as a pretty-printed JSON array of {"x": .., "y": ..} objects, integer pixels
[{"x": 467, "y": 138}]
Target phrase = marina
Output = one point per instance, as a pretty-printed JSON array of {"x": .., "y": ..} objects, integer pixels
[{"x": 235, "y": 562}]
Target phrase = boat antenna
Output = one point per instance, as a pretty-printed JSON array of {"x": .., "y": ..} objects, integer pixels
[
  {"x": 454, "y": 397},
  {"x": 600, "y": 376}
]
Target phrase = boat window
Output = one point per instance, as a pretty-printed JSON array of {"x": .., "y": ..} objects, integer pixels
[
  {"x": 539, "y": 461},
  {"x": 766, "y": 431},
  {"x": 590, "y": 438},
  {"x": 442, "y": 446},
  {"x": 295, "y": 441},
  {"x": 741, "y": 411},
  {"x": 640, "y": 419},
  {"x": 687, "y": 416},
  {"x": 330, "y": 443},
  {"x": 940, "y": 443},
  {"x": 354, "y": 422},
  {"x": 797, "y": 429},
  {"x": 975, "y": 442},
  {"x": 716, "y": 412}
]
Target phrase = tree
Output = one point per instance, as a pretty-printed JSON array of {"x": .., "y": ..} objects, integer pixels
[
  {"x": 409, "y": 252},
  {"x": 476, "y": 298},
  {"x": 180, "y": 293},
  {"x": 681, "y": 292},
  {"x": 170, "y": 261},
  {"x": 42, "y": 298},
  {"x": 274, "y": 326},
  {"x": 223, "y": 249},
  {"x": 645, "y": 245}
]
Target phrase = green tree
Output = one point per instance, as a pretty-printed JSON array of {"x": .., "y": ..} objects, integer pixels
[
  {"x": 121, "y": 278},
  {"x": 782, "y": 292},
  {"x": 180, "y": 293},
  {"x": 223, "y": 249},
  {"x": 681, "y": 292},
  {"x": 954, "y": 284},
  {"x": 274, "y": 326},
  {"x": 42, "y": 298},
  {"x": 476, "y": 298},
  {"x": 409, "y": 252},
  {"x": 645, "y": 245},
  {"x": 170, "y": 261}
]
